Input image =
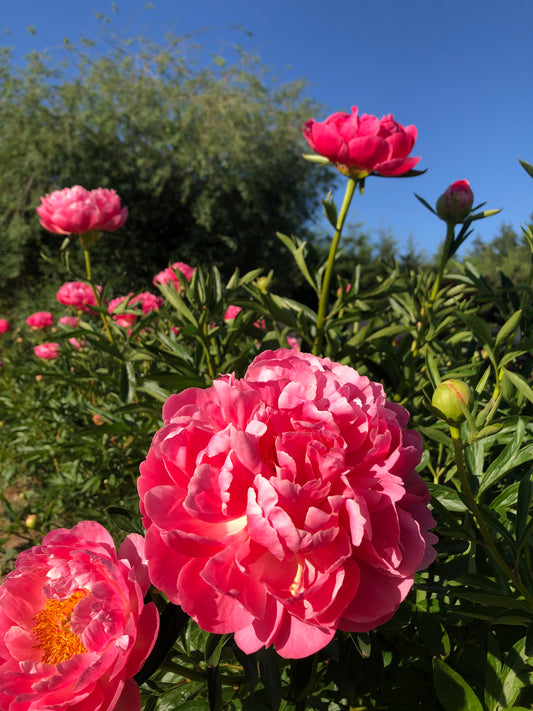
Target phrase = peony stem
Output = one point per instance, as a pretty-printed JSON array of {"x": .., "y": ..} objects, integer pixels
[
  {"x": 450, "y": 234},
  {"x": 323, "y": 301},
  {"x": 478, "y": 516},
  {"x": 97, "y": 296}
]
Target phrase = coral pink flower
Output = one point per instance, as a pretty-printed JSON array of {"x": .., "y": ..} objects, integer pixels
[
  {"x": 71, "y": 321},
  {"x": 73, "y": 626},
  {"x": 40, "y": 319},
  {"x": 77, "y": 210},
  {"x": 285, "y": 505},
  {"x": 77, "y": 294},
  {"x": 168, "y": 275},
  {"x": 147, "y": 301},
  {"x": 47, "y": 351},
  {"x": 455, "y": 204},
  {"x": 360, "y": 145},
  {"x": 4, "y": 325}
]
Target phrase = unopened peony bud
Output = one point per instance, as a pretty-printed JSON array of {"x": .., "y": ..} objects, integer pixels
[
  {"x": 455, "y": 204},
  {"x": 448, "y": 398},
  {"x": 31, "y": 521}
]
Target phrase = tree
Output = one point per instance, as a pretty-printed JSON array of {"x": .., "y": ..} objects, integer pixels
[
  {"x": 206, "y": 154},
  {"x": 508, "y": 253}
]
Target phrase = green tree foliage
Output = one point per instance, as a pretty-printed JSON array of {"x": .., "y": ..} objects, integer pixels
[
  {"x": 508, "y": 253},
  {"x": 205, "y": 152}
]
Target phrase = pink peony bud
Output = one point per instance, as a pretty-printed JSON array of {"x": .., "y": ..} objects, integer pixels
[
  {"x": 455, "y": 204},
  {"x": 4, "y": 325}
]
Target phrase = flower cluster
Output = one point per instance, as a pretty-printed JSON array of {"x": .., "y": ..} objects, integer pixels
[
  {"x": 73, "y": 626},
  {"x": 285, "y": 505},
  {"x": 148, "y": 302}
]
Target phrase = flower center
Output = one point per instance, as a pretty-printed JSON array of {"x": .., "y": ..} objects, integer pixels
[{"x": 52, "y": 628}]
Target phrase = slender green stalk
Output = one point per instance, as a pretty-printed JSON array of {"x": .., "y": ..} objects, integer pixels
[
  {"x": 450, "y": 233},
  {"x": 323, "y": 301},
  {"x": 478, "y": 516},
  {"x": 96, "y": 293}
]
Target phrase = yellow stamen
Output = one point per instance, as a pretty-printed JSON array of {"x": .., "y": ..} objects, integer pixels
[
  {"x": 52, "y": 628},
  {"x": 297, "y": 582}
]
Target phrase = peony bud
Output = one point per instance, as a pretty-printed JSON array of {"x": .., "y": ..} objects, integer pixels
[
  {"x": 450, "y": 398},
  {"x": 455, "y": 204}
]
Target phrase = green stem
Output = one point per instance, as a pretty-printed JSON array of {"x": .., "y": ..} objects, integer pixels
[
  {"x": 478, "y": 516},
  {"x": 323, "y": 301},
  {"x": 450, "y": 233},
  {"x": 96, "y": 293}
]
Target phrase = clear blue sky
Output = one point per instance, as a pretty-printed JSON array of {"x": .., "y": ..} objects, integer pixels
[{"x": 459, "y": 70}]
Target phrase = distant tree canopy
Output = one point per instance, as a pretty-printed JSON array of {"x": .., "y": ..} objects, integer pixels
[
  {"x": 207, "y": 157},
  {"x": 508, "y": 252}
]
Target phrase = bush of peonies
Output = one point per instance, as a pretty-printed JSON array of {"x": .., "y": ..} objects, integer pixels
[{"x": 284, "y": 513}]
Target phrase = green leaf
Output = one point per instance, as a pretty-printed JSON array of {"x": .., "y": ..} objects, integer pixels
[
  {"x": 508, "y": 329},
  {"x": 520, "y": 383},
  {"x": 315, "y": 158},
  {"x": 527, "y": 167},
  {"x": 507, "y": 459},
  {"x": 425, "y": 204},
  {"x": 270, "y": 676},
  {"x": 298, "y": 249},
  {"x": 453, "y": 692}
]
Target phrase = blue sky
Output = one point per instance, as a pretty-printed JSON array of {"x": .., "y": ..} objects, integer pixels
[{"x": 460, "y": 71}]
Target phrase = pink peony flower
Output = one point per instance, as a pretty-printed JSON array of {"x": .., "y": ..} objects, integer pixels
[
  {"x": 40, "y": 319},
  {"x": 232, "y": 312},
  {"x": 147, "y": 301},
  {"x": 77, "y": 210},
  {"x": 47, "y": 351},
  {"x": 76, "y": 343},
  {"x": 73, "y": 626},
  {"x": 71, "y": 321},
  {"x": 360, "y": 145},
  {"x": 5, "y": 326},
  {"x": 455, "y": 204},
  {"x": 294, "y": 342},
  {"x": 77, "y": 294},
  {"x": 168, "y": 275},
  {"x": 285, "y": 505}
]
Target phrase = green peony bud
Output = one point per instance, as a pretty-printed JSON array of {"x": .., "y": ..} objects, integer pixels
[{"x": 448, "y": 398}]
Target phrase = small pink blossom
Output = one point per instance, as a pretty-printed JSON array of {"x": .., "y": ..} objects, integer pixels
[
  {"x": 168, "y": 275},
  {"x": 294, "y": 342},
  {"x": 232, "y": 312},
  {"x": 47, "y": 351},
  {"x": 40, "y": 319},
  {"x": 77, "y": 343},
  {"x": 361, "y": 145},
  {"x": 77, "y": 210},
  {"x": 286, "y": 505},
  {"x": 77, "y": 294},
  {"x": 147, "y": 301},
  {"x": 74, "y": 629},
  {"x": 5, "y": 326},
  {"x": 70, "y": 321}
]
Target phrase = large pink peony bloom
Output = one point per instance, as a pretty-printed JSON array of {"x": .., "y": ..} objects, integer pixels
[
  {"x": 77, "y": 294},
  {"x": 77, "y": 210},
  {"x": 360, "y": 145},
  {"x": 168, "y": 275},
  {"x": 285, "y": 505},
  {"x": 73, "y": 626},
  {"x": 40, "y": 319}
]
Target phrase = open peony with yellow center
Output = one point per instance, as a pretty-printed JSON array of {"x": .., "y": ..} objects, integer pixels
[
  {"x": 285, "y": 505},
  {"x": 73, "y": 625}
]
